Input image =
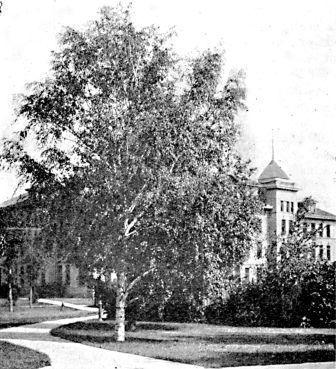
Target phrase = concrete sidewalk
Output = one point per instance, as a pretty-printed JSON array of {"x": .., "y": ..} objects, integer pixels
[
  {"x": 69, "y": 355},
  {"x": 69, "y": 305}
]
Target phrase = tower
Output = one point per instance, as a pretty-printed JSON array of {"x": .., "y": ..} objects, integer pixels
[{"x": 280, "y": 197}]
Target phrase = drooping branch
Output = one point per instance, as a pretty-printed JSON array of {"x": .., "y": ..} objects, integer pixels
[{"x": 138, "y": 279}]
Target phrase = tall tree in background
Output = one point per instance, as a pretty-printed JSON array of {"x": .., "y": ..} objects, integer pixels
[
  {"x": 22, "y": 254},
  {"x": 136, "y": 169},
  {"x": 10, "y": 245}
]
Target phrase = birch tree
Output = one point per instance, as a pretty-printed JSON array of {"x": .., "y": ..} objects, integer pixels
[{"x": 135, "y": 165}]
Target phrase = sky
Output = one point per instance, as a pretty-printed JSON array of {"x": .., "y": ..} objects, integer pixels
[{"x": 286, "y": 48}]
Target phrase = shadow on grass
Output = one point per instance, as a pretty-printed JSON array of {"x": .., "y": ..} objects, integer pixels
[
  {"x": 232, "y": 359},
  {"x": 81, "y": 337},
  {"x": 109, "y": 325},
  {"x": 157, "y": 326},
  {"x": 281, "y": 339},
  {"x": 15, "y": 324}
]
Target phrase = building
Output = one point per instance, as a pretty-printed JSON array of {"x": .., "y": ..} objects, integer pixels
[
  {"x": 20, "y": 223},
  {"x": 281, "y": 203}
]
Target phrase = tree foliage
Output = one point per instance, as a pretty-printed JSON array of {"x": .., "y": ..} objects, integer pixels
[
  {"x": 296, "y": 289},
  {"x": 21, "y": 253},
  {"x": 136, "y": 168}
]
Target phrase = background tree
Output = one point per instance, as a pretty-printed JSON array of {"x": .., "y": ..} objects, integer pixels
[
  {"x": 297, "y": 288},
  {"x": 9, "y": 252},
  {"x": 136, "y": 169},
  {"x": 22, "y": 254}
]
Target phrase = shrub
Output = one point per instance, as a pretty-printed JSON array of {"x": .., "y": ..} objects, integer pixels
[
  {"x": 275, "y": 301},
  {"x": 50, "y": 290},
  {"x": 180, "y": 308},
  {"x": 3, "y": 291}
]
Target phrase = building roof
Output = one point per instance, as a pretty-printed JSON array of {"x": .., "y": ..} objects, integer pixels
[
  {"x": 14, "y": 201},
  {"x": 319, "y": 214},
  {"x": 272, "y": 171}
]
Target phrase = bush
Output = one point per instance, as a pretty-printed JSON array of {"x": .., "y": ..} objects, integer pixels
[
  {"x": 4, "y": 291},
  {"x": 318, "y": 296},
  {"x": 277, "y": 302},
  {"x": 179, "y": 308},
  {"x": 50, "y": 290}
]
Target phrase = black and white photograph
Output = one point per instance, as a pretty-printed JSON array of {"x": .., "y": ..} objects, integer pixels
[{"x": 167, "y": 184}]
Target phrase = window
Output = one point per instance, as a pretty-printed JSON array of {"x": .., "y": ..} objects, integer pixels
[
  {"x": 247, "y": 274},
  {"x": 315, "y": 251},
  {"x": 321, "y": 252},
  {"x": 328, "y": 252},
  {"x": 287, "y": 206},
  {"x": 292, "y": 207},
  {"x": 67, "y": 274},
  {"x": 328, "y": 230},
  {"x": 313, "y": 227},
  {"x": 321, "y": 230},
  {"x": 283, "y": 226},
  {"x": 282, "y": 206},
  {"x": 305, "y": 227},
  {"x": 259, "y": 273},
  {"x": 259, "y": 250},
  {"x": 291, "y": 225}
]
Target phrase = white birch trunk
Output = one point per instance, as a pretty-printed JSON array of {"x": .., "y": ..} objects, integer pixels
[
  {"x": 10, "y": 292},
  {"x": 120, "y": 307},
  {"x": 100, "y": 310},
  {"x": 31, "y": 296}
]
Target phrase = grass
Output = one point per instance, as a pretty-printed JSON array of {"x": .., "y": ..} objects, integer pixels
[
  {"x": 23, "y": 314},
  {"x": 208, "y": 345},
  {"x": 17, "y": 357}
]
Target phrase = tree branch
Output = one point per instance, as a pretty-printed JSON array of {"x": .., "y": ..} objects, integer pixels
[
  {"x": 133, "y": 300},
  {"x": 138, "y": 279},
  {"x": 129, "y": 226}
]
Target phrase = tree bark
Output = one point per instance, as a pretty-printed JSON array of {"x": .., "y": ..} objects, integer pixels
[
  {"x": 31, "y": 296},
  {"x": 100, "y": 309},
  {"x": 120, "y": 307},
  {"x": 10, "y": 292}
]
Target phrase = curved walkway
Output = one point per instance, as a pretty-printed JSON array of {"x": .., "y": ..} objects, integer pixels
[
  {"x": 90, "y": 309},
  {"x": 69, "y": 355}
]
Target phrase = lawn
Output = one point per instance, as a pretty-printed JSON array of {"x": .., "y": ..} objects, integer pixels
[
  {"x": 208, "y": 345},
  {"x": 17, "y": 357},
  {"x": 23, "y": 314}
]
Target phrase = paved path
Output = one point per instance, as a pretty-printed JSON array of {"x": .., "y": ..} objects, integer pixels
[
  {"x": 69, "y": 355},
  {"x": 69, "y": 305}
]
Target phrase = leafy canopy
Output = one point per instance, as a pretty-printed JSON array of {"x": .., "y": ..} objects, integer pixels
[{"x": 135, "y": 165}]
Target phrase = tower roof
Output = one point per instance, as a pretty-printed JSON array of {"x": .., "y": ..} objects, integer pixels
[{"x": 272, "y": 171}]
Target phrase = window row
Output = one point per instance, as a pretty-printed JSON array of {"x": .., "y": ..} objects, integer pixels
[
  {"x": 287, "y": 206},
  {"x": 322, "y": 231}
]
